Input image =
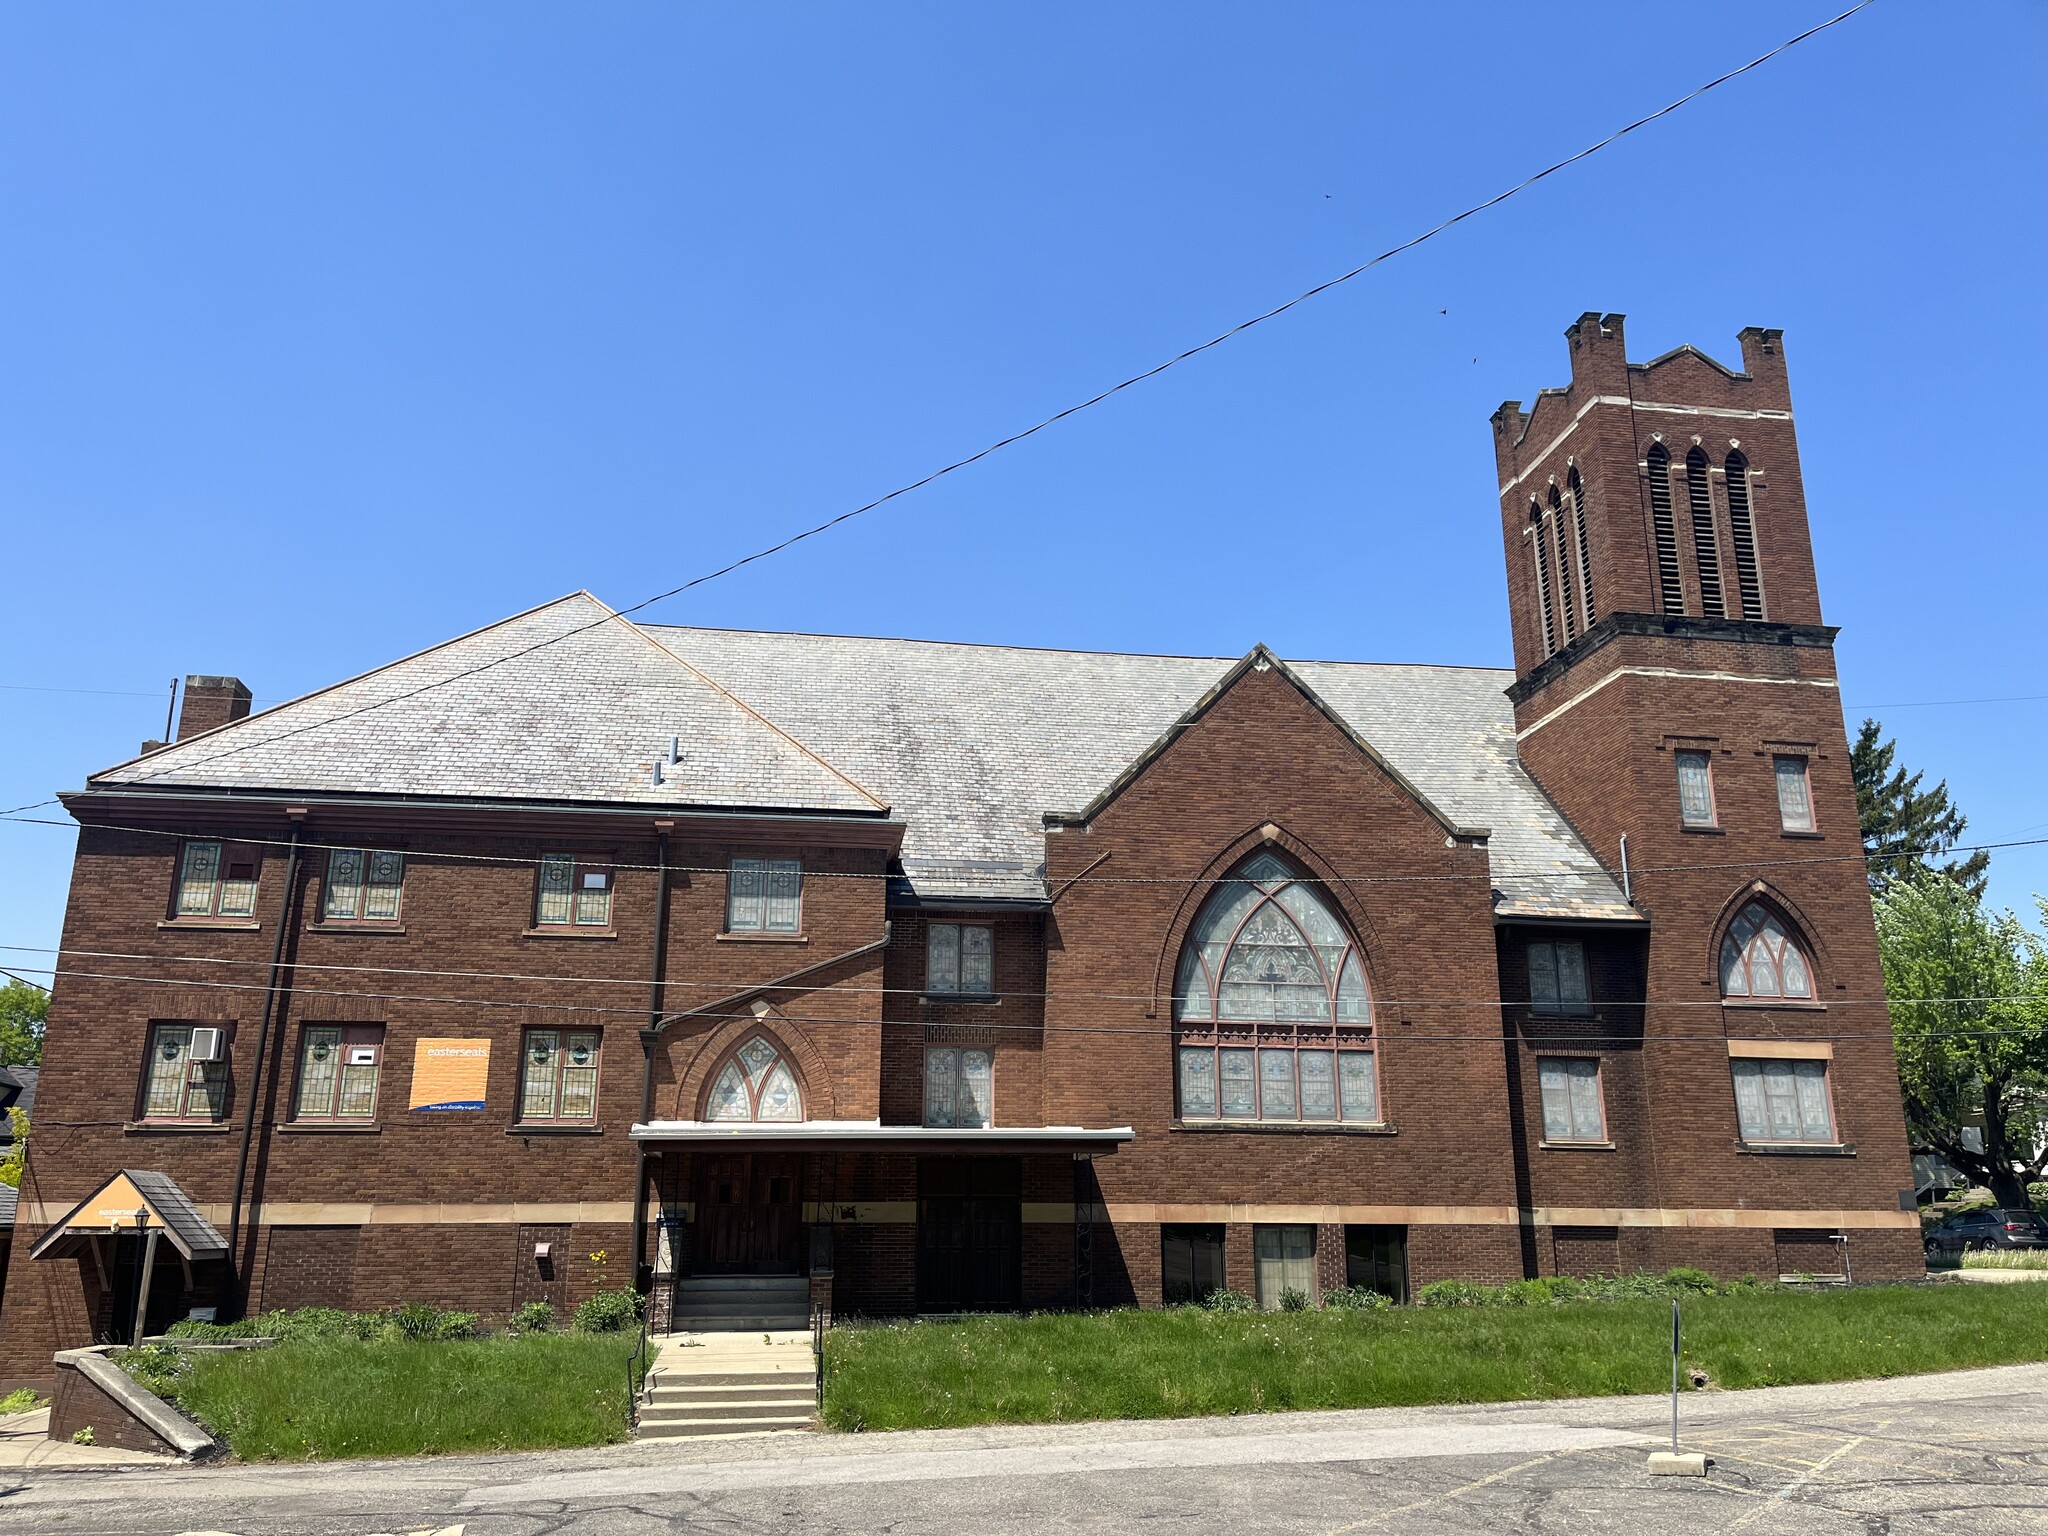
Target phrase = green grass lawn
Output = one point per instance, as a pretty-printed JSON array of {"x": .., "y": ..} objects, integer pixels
[
  {"x": 332, "y": 1398},
  {"x": 1171, "y": 1364}
]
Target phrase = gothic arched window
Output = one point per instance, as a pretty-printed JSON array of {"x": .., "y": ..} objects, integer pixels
[
  {"x": 1759, "y": 958},
  {"x": 1272, "y": 1018},
  {"x": 756, "y": 1084}
]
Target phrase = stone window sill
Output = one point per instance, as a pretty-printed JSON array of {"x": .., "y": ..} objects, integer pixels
[
  {"x": 1575, "y": 1146},
  {"x": 347, "y": 927},
  {"x": 1796, "y": 1148},
  {"x": 552, "y": 1128},
  {"x": 977, "y": 999},
  {"x": 1774, "y": 1004},
  {"x": 565, "y": 931},
  {"x": 1704, "y": 831},
  {"x": 329, "y": 1128},
  {"x": 1286, "y": 1127},
  {"x": 763, "y": 938},
  {"x": 177, "y": 1127},
  {"x": 1805, "y": 837},
  {"x": 217, "y": 924}
]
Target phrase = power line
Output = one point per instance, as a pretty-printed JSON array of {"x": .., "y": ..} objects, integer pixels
[{"x": 1072, "y": 410}]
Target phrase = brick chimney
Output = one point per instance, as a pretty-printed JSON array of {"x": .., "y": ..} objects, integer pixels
[{"x": 211, "y": 702}]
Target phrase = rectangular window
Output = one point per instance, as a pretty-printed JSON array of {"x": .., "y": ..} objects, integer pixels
[
  {"x": 959, "y": 1086},
  {"x": 1572, "y": 1108},
  {"x": 558, "y": 1075},
  {"x": 575, "y": 892},
  {"x": 1557, "y": 978},
  {"x": 1695, "y": 789},
  {"x": 362, "y": 886},
  {"x": 1190, "y": 1261},
  {"x": 1377, "y": 1258},
  {"x": 960, "y": 958},
  {"x": 338, "y": 1065},
  {"x": 217, "y": 880},
  {"x": 765, "y": 896},
  {"x": 1278, "y": 1083},
  {"x": 176, "y": 1087},
  {"x": 1795, "y": 794},
  {"x": 1284, "y": 1259},
  {"x": 1781, "y": 1100}
]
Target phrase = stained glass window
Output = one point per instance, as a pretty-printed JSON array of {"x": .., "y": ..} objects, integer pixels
[
  {"x": 1760, "y": 959},
  {"x": 362, "y": 886},
  {"x": 756, "y": 1084},
  {"x": 1695, "y": 789},
  {"x": 764, "y": 896},
  {"x": 1572, "y": 1110},
  {"x": 575, "y": 892},
  {"x": 175, "y": 1087},
  {"x": 1557, "y": 978},
  {"x": 338, "y": 1066},
  {"x": 1777, "y": 1100},
  {"x": 216, "y": 880},
  {"x": 558, "y": 1075},
  {"x": 959, "y": 1086},
  {"x": 1272, "y": 1013},
  {"x": 1795, "y": 799},
  {"x": 960, "y": 958}
]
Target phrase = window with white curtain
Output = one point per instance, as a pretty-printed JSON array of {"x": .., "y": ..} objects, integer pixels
[
  {"x": 1572, "y": 1107},
  {"x": 1781, "y": 1100}
]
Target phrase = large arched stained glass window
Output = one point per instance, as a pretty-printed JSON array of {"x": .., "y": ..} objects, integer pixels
[
  {"x": 756, "y": 1084},
  {"x": 1271, "y": 1013},
  {"x": 1760, "y": 959}
]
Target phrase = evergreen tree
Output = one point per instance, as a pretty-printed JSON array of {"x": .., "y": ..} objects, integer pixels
[{"x": 1907, "y": 828}]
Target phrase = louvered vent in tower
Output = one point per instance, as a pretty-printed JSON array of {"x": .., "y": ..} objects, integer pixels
[
  {"x": 1669, "y": 583},
  {"x": 1706, "y": 547},
  {"x": 1748, "y": 580},
  {"x": 1568, "y": 605},
  {"x": 1542, "y": 576},
  {"x": 1578, "y": 490}
]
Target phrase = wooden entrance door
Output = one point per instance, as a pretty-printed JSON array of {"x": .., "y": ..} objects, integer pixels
[{"x": 748, "y": 1215}]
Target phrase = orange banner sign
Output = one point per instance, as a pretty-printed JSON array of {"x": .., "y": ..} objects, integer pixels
[{"x": 450, "y": 1074}]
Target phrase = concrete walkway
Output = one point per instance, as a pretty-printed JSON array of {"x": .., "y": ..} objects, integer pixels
[
  {"x": 723, "y": 1384},
  {"x": 25, "y": 1442}
]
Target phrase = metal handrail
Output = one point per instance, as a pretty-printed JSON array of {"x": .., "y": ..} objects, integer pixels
[
  {"x": 633, "y": 1388},
  {"x": 818, "y": 1354}
]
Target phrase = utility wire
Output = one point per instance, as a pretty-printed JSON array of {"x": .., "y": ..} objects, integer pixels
[{"x": 1072, "y": 410}]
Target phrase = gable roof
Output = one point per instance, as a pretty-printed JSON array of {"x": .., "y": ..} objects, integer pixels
[
  {"x": 114, "y": 1204},
  {"x": 565, "y": 702},
  {"x": 973, "y": 744},
  {"x": 17, "y": 1091}
]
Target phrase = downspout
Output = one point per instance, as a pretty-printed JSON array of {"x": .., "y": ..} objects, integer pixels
[
  {"x": 650, "y": 1037},
  {"x": 284, "y": 918}
]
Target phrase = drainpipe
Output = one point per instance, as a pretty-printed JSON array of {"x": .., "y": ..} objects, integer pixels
[
  {"x": 270, "y": 1010},
  {"x": 649, "y": 1038}
]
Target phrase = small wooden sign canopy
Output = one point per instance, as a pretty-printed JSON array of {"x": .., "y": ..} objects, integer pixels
[{"x": 134, "y": 1200}]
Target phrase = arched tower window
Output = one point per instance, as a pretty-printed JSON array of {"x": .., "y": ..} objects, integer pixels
[
  {"x": 1669, "y": 585},
  {"x": 1542, "y": 543},
  {"x": 1748, "y": 580},
  {"x": 755, "y": 1084},
  {"x": 1759, "y": 958},
  {"x": 1272, "y": 1018},
  {"x": 1706, "y": 544},
  {"x": 1577, "y": 487},
  {"x": 1568, "y": 605}
]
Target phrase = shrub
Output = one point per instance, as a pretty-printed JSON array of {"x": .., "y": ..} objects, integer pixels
[
  {"x": 534, "y": 1317},
  {"x": 1228, "y": 1301},
  {"x": 1680, "y": 1278},
  {"x": 1292, "y": 1300},
  {"x": 1354, "y": 1298},
  {"x": 83, "y": 1436},
  {"x": 155, "y": 1367},
  {"x": 608, "y": 1312},
  {"x": 455, "y": 1325},
  {"x": 21, "y": 1401},
  {"x": 416, "y": 1320},
  {"x": 1454, "y": 1293}
]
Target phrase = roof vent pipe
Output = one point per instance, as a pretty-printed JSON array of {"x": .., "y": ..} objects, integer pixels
[
  {"x": 657, "y": 775},
  {"x": 675, "y": 749},
  {"x": 1626, "y": 894}
]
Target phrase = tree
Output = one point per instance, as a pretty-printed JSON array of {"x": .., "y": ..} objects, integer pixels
[
  {"x": 24, "y": 1011},
  {"x": 1904, "y": 826},
  {"x": 17, "y": 1155},
  {"x": 1969, "y": 1002}
]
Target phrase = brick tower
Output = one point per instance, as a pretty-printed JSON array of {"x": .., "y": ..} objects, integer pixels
[{"x": 1676, "y": 688}]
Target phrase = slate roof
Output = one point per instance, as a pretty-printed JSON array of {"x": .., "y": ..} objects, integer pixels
[
  {"x": 10, "y": 1198},
  {"x": 17, "y": 1091},
  {"x": 567, "y": 701},
  {"x": 194, "y": 1235},
  {"x": 968, "y": 745},
  {"x": 972, "y": 744}
]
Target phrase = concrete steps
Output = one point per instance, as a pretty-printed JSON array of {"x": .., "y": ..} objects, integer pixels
[
  {"x": 722, "y": 1383},
  {"x": 743, "y": 1303}
]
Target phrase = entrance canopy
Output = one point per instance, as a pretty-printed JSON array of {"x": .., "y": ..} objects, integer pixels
[
  {"x": 115, "y": 1207},
  {"x": 830, "y": 1133}
]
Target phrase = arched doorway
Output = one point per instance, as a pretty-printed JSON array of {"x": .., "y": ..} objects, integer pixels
[{"x": 749, "y": 1202}]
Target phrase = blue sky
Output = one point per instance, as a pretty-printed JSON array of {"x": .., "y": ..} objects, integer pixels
[{"x": 333, "y": 331}]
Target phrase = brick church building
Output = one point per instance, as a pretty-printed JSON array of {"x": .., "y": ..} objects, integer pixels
[{"x": 764, "y": 971}]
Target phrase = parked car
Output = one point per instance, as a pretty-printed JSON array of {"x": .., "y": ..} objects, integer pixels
[{"x": 1987, "y": 1229}]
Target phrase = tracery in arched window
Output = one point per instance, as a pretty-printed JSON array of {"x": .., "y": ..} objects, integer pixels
[
  {"x": 756, "y": 1084},
  {"x": 1759, "y": 958},
  {"x": 1273, "y": 1020}
]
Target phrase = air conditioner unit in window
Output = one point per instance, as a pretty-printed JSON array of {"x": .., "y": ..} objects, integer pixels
[{"x": 208, "y": 1045}]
